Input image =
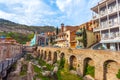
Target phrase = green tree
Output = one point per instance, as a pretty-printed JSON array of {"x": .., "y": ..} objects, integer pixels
[
  {"x": 57, "y": 31},
  {"x": 84, "y": 38},
  {"x": 51, "y": 39},
  {"x": 20, "y": 38},
  {"x": 118, "y": 74}
]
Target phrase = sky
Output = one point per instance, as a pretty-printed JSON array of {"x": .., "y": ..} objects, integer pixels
[{"x": 47, "y": 12}]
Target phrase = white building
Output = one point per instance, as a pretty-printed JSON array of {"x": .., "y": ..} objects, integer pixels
[{"x": 107, "y": 14}]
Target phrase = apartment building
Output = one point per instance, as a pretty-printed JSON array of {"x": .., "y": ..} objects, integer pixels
[{"x": 107, "y": 14}]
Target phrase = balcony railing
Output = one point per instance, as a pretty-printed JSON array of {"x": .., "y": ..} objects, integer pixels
[
  {"x": 115, "y": 35},
  {"x": 113, "y": 24},
  {"x": 112, "y": 10},
  {"x": 102, "y": 1},
  {"x": 103, "y": 13},
  {"x": 95, "y": 16},
  {"x": 96, "y": 29},
  {"x": 60, "y": 39},
  {"x": 79, "y": 38},
  {"x": 119, "y": 6}
]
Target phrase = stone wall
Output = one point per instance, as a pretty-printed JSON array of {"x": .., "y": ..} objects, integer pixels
[
  {"x": 100, "y": 59},
  {"x": 8, "y": 50}
]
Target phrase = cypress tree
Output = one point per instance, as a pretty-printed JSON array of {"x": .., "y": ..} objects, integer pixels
[
  {"x": 84, "y": 38},
  {"x": 57, "y": 31}
]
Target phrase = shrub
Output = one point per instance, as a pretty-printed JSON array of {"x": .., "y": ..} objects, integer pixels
[
  {"x": 62, "y": 62},
  {"x": 90, "y": 70},
  {"x": 118, "y": 74}
]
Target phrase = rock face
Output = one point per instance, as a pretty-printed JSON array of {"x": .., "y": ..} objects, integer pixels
[
  {"x": 38, "y": 79},
  {"x": 50, "y": 62},
  {"x": 46, "y": 73},
  {"x": 55, "y": 69},
  {"x": 88, "y": 77},
  {"x": 44, "y": 67},
  {"x": 18, "y": 69},
  {"x": 15, "y": 75},
  {"x": 55, "y": 64},
  {"x": 73, "y": 72},
  {"x": 30, "y": 71},
  {"x": 79, "y": 71}
]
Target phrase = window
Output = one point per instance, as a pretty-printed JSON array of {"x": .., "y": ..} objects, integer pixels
[
  {"x": 116, "y": 46},
  {"x": 67, "y": 36},
  {"x": 108, "y": 46},
  {"x": 119, "y": 46}
]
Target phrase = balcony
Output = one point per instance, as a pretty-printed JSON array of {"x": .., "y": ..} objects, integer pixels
[
  {"x": 96, "y": 29},
  {"x": 115, "y": 35},
  {"x": 103, "y": 13},
  {"x": 114, "y": 24},
  {"x": 104, "y": 36},
  {"x": 95, "y": 17},
  {"x": 60, "y": 39},
  {"x": 102, "y": 1},
  {"x": 119, "y": 6},
  {"x": 113, "y": 10},
  {"x": 79, "y": 38}
]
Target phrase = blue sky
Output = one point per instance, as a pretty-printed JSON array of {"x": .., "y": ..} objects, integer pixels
[{"x": 47, "y": 12}]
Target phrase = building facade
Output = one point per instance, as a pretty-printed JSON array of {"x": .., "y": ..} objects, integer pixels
[
  {"x": 66, "y": 37},
  {"x": 51, "y": 38},
  {"x": 107, "y": 14},
  {"x": 90, "y": 36},
  {"x": 38, "y": 39},
  {"x": 42, "y": 39}
]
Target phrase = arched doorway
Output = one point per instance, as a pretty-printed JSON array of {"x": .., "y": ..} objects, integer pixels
[
  {"x": 89, "y": 68},
  {"x": 111, "y": 69},
  {"x": 38, "y": 53},
  {"x": 45, "y": 53},
  {"x": 73, "y": 62},
  {"x": 49, "y": 56},
  {"x": 62, "y": 60},
  {"x": 62, "y": 55},
  {"x": 41, "y": 54},
  {"x": 55, "y": 57}
]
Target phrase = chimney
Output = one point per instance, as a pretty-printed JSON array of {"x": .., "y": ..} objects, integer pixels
[{"x": 62, "y": 27}]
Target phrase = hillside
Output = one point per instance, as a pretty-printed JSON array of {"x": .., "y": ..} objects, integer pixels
[
  {"x": 9, "y": 26},
  {"x": 21, "y": 33}
]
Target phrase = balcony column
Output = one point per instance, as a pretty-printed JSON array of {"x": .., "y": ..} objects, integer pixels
[
  {"x": 118, "y": 12},
  {"x": 107, "y": 14},
  {"x": 118, "y": 15},
  {"x": 118, "y": 46},
  {"x": 92, "y": 20},
  {"x": 117, "y": 5},
  {"x": 99, "y": 20},
  {"x": 108, "y": 18},
  {"x": 119, "y": 30}
]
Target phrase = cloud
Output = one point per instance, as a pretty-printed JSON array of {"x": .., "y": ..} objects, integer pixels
[
  {"x": 30, "y": 12},
  {"x": 38, "y": 12},
  {"x": 76, "y": 11}
]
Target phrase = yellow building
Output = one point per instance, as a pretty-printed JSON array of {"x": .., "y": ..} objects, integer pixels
[{"x": 92, "y": 38}]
